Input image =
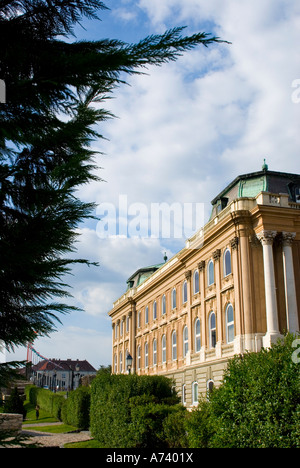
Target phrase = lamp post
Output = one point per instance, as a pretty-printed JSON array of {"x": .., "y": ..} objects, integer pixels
[{"x": 129, "y": 360}]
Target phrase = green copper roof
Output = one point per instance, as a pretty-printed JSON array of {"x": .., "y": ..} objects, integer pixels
[{"x": 252, "y": 187}]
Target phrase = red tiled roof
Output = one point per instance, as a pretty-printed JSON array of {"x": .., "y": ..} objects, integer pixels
[{"x": 67, "y": 364}]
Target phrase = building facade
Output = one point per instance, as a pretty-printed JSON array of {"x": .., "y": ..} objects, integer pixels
[
  {"x": 235, "y": 287},
  {"x": 61, "y": 375}
]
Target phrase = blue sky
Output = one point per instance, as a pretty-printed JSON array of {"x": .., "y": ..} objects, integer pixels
[{"x": 182, "y": 133}]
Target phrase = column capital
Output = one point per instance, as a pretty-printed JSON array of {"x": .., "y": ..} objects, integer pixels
[
  {"x": 187, "y": 274},
  {"x": 201, "y": 265},
  {"x": 234, "y": 243},
  {"x": 217, "y": 255},
  {"x": 266, "y": 237},
  {"x": 287, "y": 238}
]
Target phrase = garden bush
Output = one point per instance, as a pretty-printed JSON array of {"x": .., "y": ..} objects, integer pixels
[
  {"x": 76, "y": 408},
  {"x": 47, "y": 400},
  {"x": 130, "y": 410},
  {"x": 257, "y": 405}
]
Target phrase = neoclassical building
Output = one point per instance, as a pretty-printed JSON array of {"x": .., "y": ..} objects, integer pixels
[{"x": 234, "y": 287}]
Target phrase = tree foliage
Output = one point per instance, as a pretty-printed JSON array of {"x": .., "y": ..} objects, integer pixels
[
  {"x": 257, "y": 406},
  {"x": 56, "y": 88}
]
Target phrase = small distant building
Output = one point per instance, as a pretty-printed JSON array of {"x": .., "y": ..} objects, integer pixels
[{"x": 59, "y": 375}]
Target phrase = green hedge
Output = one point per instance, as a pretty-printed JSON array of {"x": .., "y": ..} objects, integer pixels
[
  {"x": 132, "y": 411},
  {"x": 76, "y": 409},
  {"x": 48, "y": 401}
]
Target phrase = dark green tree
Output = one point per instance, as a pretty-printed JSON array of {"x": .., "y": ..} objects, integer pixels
[
  {"x": 47, "y": 126},
  {"x": 14, "y": 404}
]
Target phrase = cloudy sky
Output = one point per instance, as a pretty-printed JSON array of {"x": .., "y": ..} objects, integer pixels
[{"x": 182, "y": 133}]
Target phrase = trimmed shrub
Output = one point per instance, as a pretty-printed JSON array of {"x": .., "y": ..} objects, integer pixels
[
  {"x": 129, "y": 410},
  {"x": 76, "y": 409},
  {"x": 48, "y": 401}
]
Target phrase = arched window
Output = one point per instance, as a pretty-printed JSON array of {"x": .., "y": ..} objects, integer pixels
[
  {"x": 185, "y": 341},
  {"x": 163, "y": 349},
  {"x": 196, "y": 281},
  {"x": 121, "y": 362},
  {"x": 174, "y": 346},
  {"x": 154, "y": 310},
  {"x": 183, "y": 394},
  {"x": 212, "y": 330},
  {"x": 154, "y": 352},
  {"x": 173, "y": 298},
  {"x": 163, "y": 305},
  {"x": 229, "y": 320},
  {"x": 184, "y": 292},
  {"x": 139, "y": 357},
  {"x": 139, "y": 319},
  {"x": 146, "y": 355},
  {"x": 210, "y": 273},
  {"x": 227, "y": 262},
  {"x": 195, "y": 393},
  {"x": 209, "y": 388},
  {"x": 115, "y": 364},
  {"x": 197, "y": 336},
  {"x": 146, "y": 315}
]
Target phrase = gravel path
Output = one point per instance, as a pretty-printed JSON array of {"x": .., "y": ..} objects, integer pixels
[{"x": 46, "y": 439}]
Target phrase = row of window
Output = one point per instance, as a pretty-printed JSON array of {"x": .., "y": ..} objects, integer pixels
[
  {"x": 212, "y": 330},
  {"x": 210, "y": 281},
  {"x": 195, "y": 395}
]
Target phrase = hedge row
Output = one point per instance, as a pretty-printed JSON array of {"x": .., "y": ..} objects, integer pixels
[
  {"x": 74, "y": 410},
  {"x": 135, "y": 411}
]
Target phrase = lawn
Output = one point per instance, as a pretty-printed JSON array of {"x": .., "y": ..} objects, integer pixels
[
  {"x": 86, "y": 444},
  {"x": 31, "y": 418},
  {"x": 53, "y": 428}
]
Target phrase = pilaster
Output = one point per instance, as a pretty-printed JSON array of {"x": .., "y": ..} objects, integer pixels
[{"x": 289, "y": 282}]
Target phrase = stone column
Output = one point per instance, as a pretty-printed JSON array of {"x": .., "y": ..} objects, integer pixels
[
  {"x": 289, "y": 282},
  {"x": 113, "y": 348},
  {"x": 132, "y": 334},
  {"x": 188, "y": 276},
  {"x": 246, "y": 290},
  {"x": 201, "y": 268},
  {"x": 216, "y": 257},
  {"x": 238, "y": 345},
  {"x": 267, "y": 238}
]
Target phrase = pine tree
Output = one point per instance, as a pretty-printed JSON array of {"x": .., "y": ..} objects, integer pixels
[{"x": 47, "y": 127}]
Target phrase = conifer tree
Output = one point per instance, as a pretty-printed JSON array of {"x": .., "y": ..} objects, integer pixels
[{"x": 47, "y": 126}]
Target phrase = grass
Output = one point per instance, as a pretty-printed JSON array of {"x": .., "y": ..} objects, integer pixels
[
  {"x": 86, "y": 444},
  {"x": 31, "y": 418},
  {"x": 53, "y": 429}
]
